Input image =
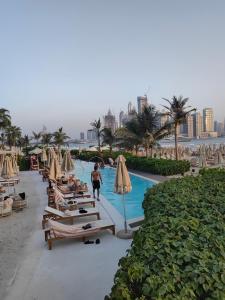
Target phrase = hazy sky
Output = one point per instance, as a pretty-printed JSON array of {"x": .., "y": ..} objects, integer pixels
[{"x": 65, "y": 62}]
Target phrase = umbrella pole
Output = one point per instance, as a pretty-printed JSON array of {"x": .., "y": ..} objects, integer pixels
[{"x": 124, "y": 213}]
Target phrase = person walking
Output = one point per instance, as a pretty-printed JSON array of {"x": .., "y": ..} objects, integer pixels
[{"x": 95, "y": 180}]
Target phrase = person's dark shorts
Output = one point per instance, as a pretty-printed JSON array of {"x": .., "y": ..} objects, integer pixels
[{"x": 96, "y": 184}]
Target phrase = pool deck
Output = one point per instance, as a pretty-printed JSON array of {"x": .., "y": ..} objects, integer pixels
[
  {"x": 71, "y": 270},
  {"x": 156, "y": 178}
]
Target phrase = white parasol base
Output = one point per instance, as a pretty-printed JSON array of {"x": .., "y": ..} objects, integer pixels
[{"x": 126, "y": 235}]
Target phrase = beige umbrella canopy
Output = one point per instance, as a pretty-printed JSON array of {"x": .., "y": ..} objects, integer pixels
[
  {"x": 59, "y": 156},
  {"x": 44, "y": 157},
  {"x": 67, "y": 163},
  {"x": 54, "y": 172},
  {"x": 7, "y": 168},
  {"x": 36, "y": 151},
  {"x": 122, "y": 184},
  {"x": 14, "y": 165},
  {"x": 51, "y": 153}
]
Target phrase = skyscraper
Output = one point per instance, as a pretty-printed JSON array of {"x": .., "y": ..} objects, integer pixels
[
  {"x": 208, "y": 120},
  {"x": 91, "y": 135},
  {"x": 197, "y": 124},
  {"x": 110, "y": 121},
  {"x": 190, "y": 123},
  {"x": 142, "y": 101},
  {"x": 121, "y": 118},
  {"x": 82, "y": 136}
]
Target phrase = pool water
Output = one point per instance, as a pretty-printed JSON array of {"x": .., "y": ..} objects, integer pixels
[{"x": 133, "y": 199}]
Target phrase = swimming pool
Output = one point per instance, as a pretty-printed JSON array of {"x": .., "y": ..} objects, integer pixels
[{"x": 133, "y": 199}]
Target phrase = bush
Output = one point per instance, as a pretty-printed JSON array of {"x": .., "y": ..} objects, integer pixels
[
  {"x": 23, "y": 163},
  {"x": 163, "y": 167},
  {"x": 179, "y": 252}
]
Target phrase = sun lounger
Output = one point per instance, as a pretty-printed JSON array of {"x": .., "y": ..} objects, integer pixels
[
  {"x": 58, "y": 231},
  {"x": 57, "y": 215},
  {"x": 6, "y": 207},
  {"x": 68, "y": 193},
  {"x": 60, "y": 199},
  {"x": 9, "y": 182},
  {"x": 59, "y": 194}
]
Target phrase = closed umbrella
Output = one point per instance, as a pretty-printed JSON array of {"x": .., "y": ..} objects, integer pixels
[
  {"x": 44, "y": 157},
  {"x": 54, "y": 172},
  {"x": 122, "y": 186},
  {"x": 7, "y": 169},
  {"x": 67, "y": 163},
  {"x": 36, "y": 151},
  {"x": 59, "y": 156},
  {"x": 51, "y": 153},
  {"x": 220, "y": 157},
  {"x": 14, "y": 165}
]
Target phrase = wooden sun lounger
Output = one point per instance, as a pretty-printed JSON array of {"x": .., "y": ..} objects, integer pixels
[
  {"x": 10, "y": 182},
  {"x": 57, "y": 215},
  {"x": 72, "y": 195},
  {"x": 79, "y": 232}
]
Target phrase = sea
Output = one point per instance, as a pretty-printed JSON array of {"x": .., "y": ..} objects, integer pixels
[{"x": 193, "y": 144}]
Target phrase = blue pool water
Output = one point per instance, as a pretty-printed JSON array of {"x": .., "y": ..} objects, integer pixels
[{"x": 133, "y": 199}]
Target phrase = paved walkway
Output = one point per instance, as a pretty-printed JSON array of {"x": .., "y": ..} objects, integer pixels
[{"x": 72, "y": 270}]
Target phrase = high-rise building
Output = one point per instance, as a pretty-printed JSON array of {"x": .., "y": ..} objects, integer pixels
[
  {"x": 142, "y": 101},
  {"x": 190, "y": 127},
  {"x": 82, "y": 136},
  {"x": 91, "y": 135},
  {"x": 197, "y": 125},
  {"x": 163, "y": 118},
  {"x": 219, "y": 128},
  {"x": 121, "y": 118},
  {"x": 110, "y": 121},
  {"x": 208, "y": 120},
  {"x": 129, "y": 107}
]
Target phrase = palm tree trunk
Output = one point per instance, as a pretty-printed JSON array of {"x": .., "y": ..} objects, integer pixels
[
  {"x": 99, "y": 143},
  {"x": 110, "y": 150},
  {"x": 136, "y": 150},
  {"x": 146, "y": 151},
  {"x": 151, "y": 151},
  {"x": 176, "y": 141}
]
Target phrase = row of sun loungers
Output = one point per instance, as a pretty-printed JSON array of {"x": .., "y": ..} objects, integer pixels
[{"x": 54, "y": 217}]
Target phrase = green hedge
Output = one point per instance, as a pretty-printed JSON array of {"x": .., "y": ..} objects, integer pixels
[
  {"x": 163, "y": 167},
  {"x": 179, "y": 252},
  {"x": 87, "y": 155},
  {"x": 23, "y": 163}
]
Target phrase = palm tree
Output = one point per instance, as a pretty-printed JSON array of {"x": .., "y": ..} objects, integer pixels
[
  {"x": 37, "y": 136},
  {"x": 13, "y": 134},
  {"x": 128, "y": 139},
  {"x": 60, "y": 137},
  {"x": 132, "y": 134},
  {"x": 24, "y": 141},
  {"x": 5, "y": 119},
  {"x": 2, "y": 139},
  {"x": 97, "y": 126},
  {"x": 46, "y": 138},
  {"x": 178, "y": 112},
  {"x": 149, "y": 128},
  {"x": 108, "y": 138}
]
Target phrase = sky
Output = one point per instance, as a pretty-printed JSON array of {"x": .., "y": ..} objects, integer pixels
[{"x": 66, "y": 62}]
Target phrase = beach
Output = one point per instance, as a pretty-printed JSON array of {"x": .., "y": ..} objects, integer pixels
[{"x": 71, "y": 270}]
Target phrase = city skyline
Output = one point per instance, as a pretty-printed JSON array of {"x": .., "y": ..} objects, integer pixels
[{"x": 67, "y": 64}]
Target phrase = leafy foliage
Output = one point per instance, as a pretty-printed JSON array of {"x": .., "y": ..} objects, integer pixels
[
  {"x": 178, "y": 113},
  {"x": 179, "y": 251},
  {"x": 150, "y": 165},
  {"x": 165, "y": 167}
]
